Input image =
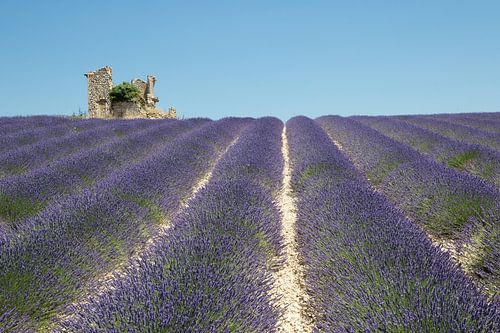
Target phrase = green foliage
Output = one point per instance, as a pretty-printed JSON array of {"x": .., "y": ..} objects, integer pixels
[
  {"x": 314, "y": 170},
  {"x": 308, "y": 172},
  {"x": 125, "y": 92},
  {"x": 459, "y": 160},
  {"x": 455, "y": 212},
  {"x": 488, "y": 172},
  {"x": 12, "y": 169},
  {"x": 378, "y": 173},
  {"x": 13, "y": 209},
  {"x": 154, "y": 210}
]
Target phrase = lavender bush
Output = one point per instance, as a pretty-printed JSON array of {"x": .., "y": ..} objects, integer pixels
[
  {"x": 25, "y": 158},
  {"x": 368, "y": 268},
  {"x": 483, "y": 233},
  {"x": 11, "y": 125},
  {"x": 210, "y": 273},
  {"x": 56, "y": 255},
  {"x": 438, "y": 198},
  {"x": 457, "y": 132},
  {"x": 24, "y": 195},
  {"x": 472, "y": 120},
  {"x": 99, "y": 231},
  {"x": 475, "y": 159}
]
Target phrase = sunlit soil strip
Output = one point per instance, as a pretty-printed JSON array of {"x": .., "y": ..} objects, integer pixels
[
  {"x": 289, "y": 284},
  {"x": 103, "y": 283}
]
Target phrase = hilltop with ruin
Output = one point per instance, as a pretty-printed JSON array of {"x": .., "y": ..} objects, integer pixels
[{"x": 100, "y": 105}]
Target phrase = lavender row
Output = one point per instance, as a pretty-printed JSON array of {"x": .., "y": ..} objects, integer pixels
[
  {"x": 368, "y": 268},
  {"x": 443, "y": 201},
  {"x": 26, "y": 158},
  {"x": 487, "y": 125},
  {"x": 11, "y": 125},
  {"x": 484, "y": 115},
  {"x": 31, "y": 136},
  {"x": 57, "y": 254},
  {"x": 495, "y": 116},
  {"x": 24, "y": 195},
  {"x": 210, "y": 272},
  {"x": 475, "y": 159},
  {"x": 457, "y": 132}
]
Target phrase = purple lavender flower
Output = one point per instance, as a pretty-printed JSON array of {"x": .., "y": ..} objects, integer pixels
[
  {"x": 368, "y": 268},
  {"x": 456, "y": 131},
  {"x": 55, "y": 255},
  {"x": 210, "y": 272},
  {"x": 438, "y": 198}
]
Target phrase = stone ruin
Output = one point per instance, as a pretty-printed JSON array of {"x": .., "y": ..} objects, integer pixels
[{"x": 100, "y": 83}]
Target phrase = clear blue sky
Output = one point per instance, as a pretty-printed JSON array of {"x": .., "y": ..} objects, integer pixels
[{"x": 256, "y": 58}]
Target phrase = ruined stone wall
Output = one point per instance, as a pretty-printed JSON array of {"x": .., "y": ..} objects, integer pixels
[
  {"x": 100, "y": 83},
  {"x": 128, "y": 110},
  {"x": 141, "y": 86},
  {"x": 172, "y": 112},
  {"x": 132, "y": 110}
]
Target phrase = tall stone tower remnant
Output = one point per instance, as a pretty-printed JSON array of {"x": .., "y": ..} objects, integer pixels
[
  {"x": 150, "y": 97},
  {"x": 100, "y": 83}
]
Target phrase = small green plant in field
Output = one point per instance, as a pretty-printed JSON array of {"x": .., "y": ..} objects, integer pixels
[
  {"x": 13, "y": 209},
  {"x": 459, "y": 160},
  {"x": 125, "y": 92},
  {"x": 455, "y": 213},
  {"x": 13, "y": 169},
  {"x": 381, "y": 170},
  {"x": 311, "y": 171},
  {"x": 488, "y": 171}
]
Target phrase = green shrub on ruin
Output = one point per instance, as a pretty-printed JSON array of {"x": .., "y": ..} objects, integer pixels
[{"x": 125, "y": 92}]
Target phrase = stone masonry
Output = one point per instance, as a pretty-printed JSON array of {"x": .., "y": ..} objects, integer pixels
[
  {"x": 140, "y": 85},
  {"x": 100, "y": 84}
]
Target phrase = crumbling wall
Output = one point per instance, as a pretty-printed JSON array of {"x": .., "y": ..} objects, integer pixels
[
  {"x": 100, "y": 83},
  {"x": 132, "y": 110},
  {"x": 172, "y": 112},
  {"x": 128, "y": 110},
  {"x": 141, "y": 86}
]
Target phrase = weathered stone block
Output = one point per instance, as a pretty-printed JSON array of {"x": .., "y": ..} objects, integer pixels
[{"x": 128, "y": 110}]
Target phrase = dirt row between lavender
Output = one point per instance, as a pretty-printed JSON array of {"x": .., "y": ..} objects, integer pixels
[{"x": 289, "y": 285}]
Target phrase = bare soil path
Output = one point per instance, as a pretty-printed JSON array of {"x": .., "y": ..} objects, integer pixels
[{"x": 289, "y": 284}]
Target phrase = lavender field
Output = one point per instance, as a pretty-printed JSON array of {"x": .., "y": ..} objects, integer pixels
[{"x": 334, "y": 224}]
